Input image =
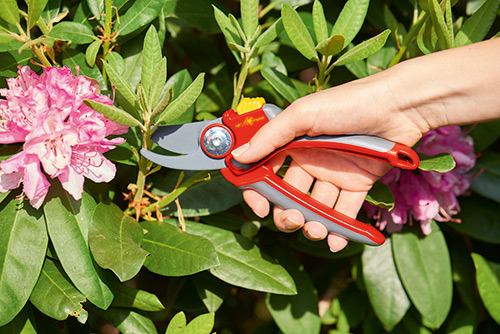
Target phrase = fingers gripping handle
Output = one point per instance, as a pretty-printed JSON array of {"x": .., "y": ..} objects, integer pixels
[{"x": 264, "y": 181}]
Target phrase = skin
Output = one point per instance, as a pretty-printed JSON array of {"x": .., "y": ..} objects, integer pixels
[{"x": 453, "y": 87}]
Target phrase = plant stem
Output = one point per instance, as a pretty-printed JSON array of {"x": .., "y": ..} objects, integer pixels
[
  {"x": 415, "y": 28},
  {"x": 41, "y": 56},
  {"x": 144, "y": 164},
  {"x": 107, "y": 34},
  {"x": 242, "y": 77}
]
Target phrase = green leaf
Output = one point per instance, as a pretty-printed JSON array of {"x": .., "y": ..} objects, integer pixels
[
  {"x": 73, "y": 32},
  {"x": 462, "y": 322},
  {"x": 128, "y": 99},
  {"x": 176, "y": 253},
  {"x": 35, "y": 9},
  {"x": 138, "y": 15},
  {"x": 23, "y": 243},
  {"x": 364, "y": 49},
  {"x": 151, "y": 57},
  {"x": 331, "y": 46},
  {"x": 488, "y": 181},
  {"x": 488, "y": 284},
  {"x": 383, "y": 285},
  {"x": 298, "y": 33},
  {"x": 91, "y": 53},
  {"x": 98, "y": 10},
  {"x": 68, "y": 225},
  {"x": 477, "y": 26},
  {"x": 5, "y": 36},
  {"x": 427, "y": 37},
  {"x": 228, "y": 30},
  {"x": 358, "y": 68},
  {"x": 127, "y": 321},
  {"x": 158, "y": 81},
  {"x": 129, "y": 297},
  {"x": 178, "y": 106},
  {"x": 113, "y": 113},
  {"x": 424, "y": 267},
  {"x": 9, "y": 12},
  {"x": 484, "y": 226},
  {"x": 350, "y": 19},
  {"x": 73, "y": 58},
  {"x": 439, "y": 24},
  {"x": 202, "y": 324},
  {"x": 51, "y": 11},
  {"x": 464, "y": 274},
  {"x": 249, "y": 16},
  {"x": 114, "y": 240},
  {"x": 381, "y": 195},
  {"x": 116, "y": 61},
  {"x": 269, "y": 34},
  {"x": 177, "y": 324},
  {"x": 298, "y": 313},
  {"x": 242, "y": 263},
  {"x": 10, "y": 60},
  {"x": 55, "y": 296},
  {"x": 485, "y": 135},
  {"x": 23, "y": 323},
  {"x": 274, "y": 71},
  {"x": 319, "y": 21},
  {"x": 442, "y": 162},
  {"x": 211, "y": 290}
]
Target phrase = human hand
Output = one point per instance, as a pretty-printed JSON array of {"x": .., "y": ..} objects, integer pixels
[{"x": 340, "y": 180}]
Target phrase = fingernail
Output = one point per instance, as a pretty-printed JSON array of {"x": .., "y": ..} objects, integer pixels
[
  {"x": 315, "y": 233},
  {"x": 334, "y": 250},
  {"x": 240, "y": 150},
  {"x": 291, "y": 224}
]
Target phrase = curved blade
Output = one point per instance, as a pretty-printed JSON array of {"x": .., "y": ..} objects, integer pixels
[
  {"x": 182, "y": 138},
  {"x": 195, "y": 161}
]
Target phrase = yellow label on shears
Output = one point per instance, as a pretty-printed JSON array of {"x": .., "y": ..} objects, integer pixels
[{"x": 248, "y": 104}]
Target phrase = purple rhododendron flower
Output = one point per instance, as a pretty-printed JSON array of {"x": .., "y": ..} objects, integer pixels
[
  {"x": 423, "y": 196},
  {"x": 63, "y": 138}
]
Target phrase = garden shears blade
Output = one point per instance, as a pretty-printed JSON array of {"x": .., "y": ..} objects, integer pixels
[{"x": 208, "y": 145}]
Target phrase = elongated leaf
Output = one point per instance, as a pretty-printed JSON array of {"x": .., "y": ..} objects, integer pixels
[
  {"x": 202, "y": 324},
  {"x": 138, "y": 15},
  {"x": 477, "y": 26},
  {"x": 440, "y": 163},
  {"x": 10, "y": 60},
  {"x": 151, "y": 57},
  {"x": 488, "y": 284},
  {"x": 178, "y": 106},
  {"x": 424, "y": 267},
  {"x": 439, "y": 24},
  {"x": 331, "y": 46},
  {"x": 128, "y": 297},
  {"x": 242, "y": 263},
  {"x": 462, "y": 322},
  {"x": 383, "y": 285},
  {"x": 114, "y": 239},
  {"x": 364, "y": 49},
  {"x": 464, "y": 275},
  {"x": 23, "y": 243},
  {"x": 228, "y": 30},
  {"x": 55, "y": 296},
  {"x": 9, "y": 12},
  {"x": 35, "y": 9},
  {"x": 298, "y": 33},
  {"x": 158, "y": 81},
  {"x": 319, "y": 21},
  {"x": 176, "y": 253},
  {"x": 350, "y": 19},
  {"x": 67, "y": 223},
  {"x": 5, "y": 36},
  {"x": 98, "y": 9},
  {"x": 116, "y": 61},
  {"x": 113, "y": 113},
  {"x": 51, "y": 11},
  {"x": 427, "y": 38},
  {"x": 91, "y": 53},
  {"x": 177, "y": 324},
  {"x": 73, "y": 32},
  {"x": 128, "y": 98},
  {"x": 298, "y": 313},
  {"x": 486, "y": 184},
  {"x": 270, "y": 33},
  {"x": 127, "y": 321},
  {"x": 249, "y": 16},
  {"x": 281, "y": 83}
]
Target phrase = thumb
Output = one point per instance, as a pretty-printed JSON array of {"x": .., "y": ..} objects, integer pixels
[{"x": 278, "y": 132}]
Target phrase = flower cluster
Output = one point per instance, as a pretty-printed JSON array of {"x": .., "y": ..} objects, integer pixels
[
  {"x": 59, "y": 133},
  {"x": 424, "y": 196}
]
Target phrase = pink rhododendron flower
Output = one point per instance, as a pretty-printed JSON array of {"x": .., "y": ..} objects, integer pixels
[
  {"x": 62, "y": 137},
  {"x": 423, "y": 196}
]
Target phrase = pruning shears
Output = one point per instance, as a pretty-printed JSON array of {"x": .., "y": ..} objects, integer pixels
[{"x": 207, "y": 145}]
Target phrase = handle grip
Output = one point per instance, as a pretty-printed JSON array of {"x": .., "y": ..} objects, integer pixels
[{"x": 276, "y": 190}]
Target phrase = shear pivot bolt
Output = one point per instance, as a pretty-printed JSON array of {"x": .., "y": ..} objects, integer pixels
[{"x": 217, "y": 141}]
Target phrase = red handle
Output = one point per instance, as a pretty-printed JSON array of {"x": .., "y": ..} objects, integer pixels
[{"x": 276, "y": 190}]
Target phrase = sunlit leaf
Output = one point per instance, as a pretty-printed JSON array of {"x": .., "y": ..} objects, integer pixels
[
  {"x": 319, "y": 20},
  {"x": 73, "y": 32},
  {"x": 73, "y": 58},
  {"x": 128, "y": 99},
  {"x": 488, "y": 284},
  {"x": 439, "y": 24},
  {"x": 270, "y": 33},
  {"x": 91, "y": 53},
  {"x": 380, "y": 195},
  {"x": 298, "y": 33},
  {"x": 35, "y": 9},
  {"x": 23, "y": 243},
  {"x": 9, "y": 12},
  {"x": 177, "y": 324},
  {"x": 113, "y": 113},
  {"x": 331, "y": 46},
  {"x": 477, "y": 26},
  {"x": 138, "y": 15},
  {"x": 249, "y": 16},
  {"x": 364, "y": 49},
  {"x": 151, "y": 57},
  {"x": 127, "y": 321},
  {"x": 274, "y": 71},
  {"x": 114, "y": 239},
  {"x": 129, "y": 297},
  {"x": 350, "y": 19},
  {"x": 442, "y": 162}
]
